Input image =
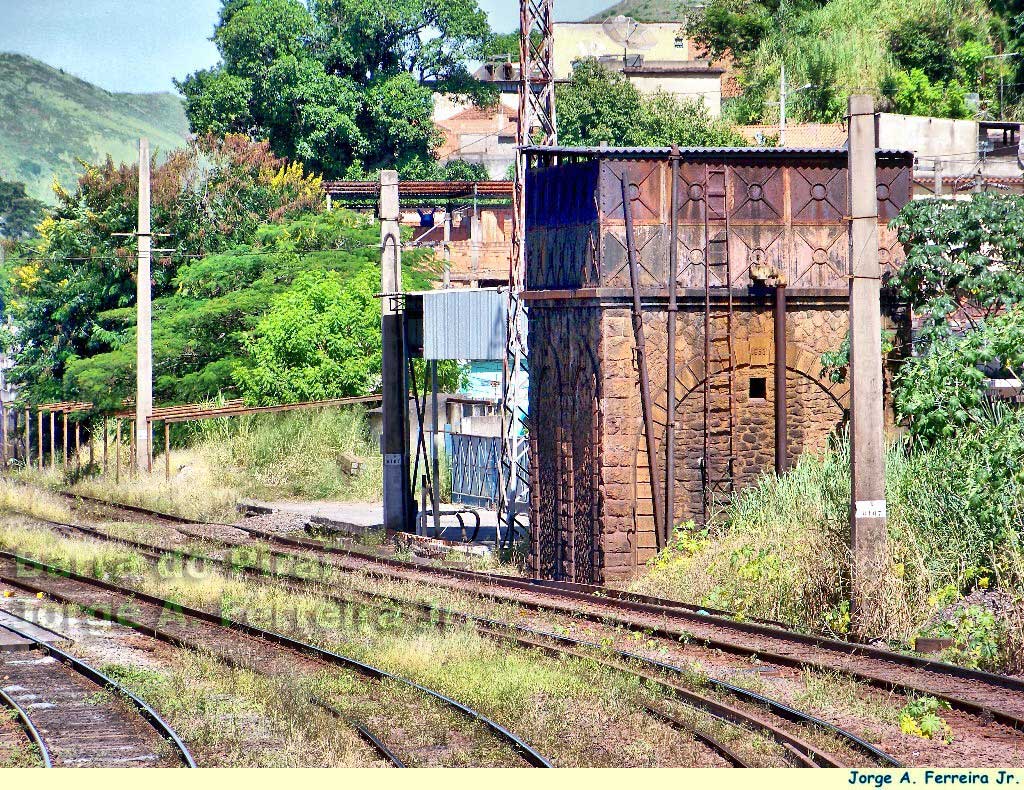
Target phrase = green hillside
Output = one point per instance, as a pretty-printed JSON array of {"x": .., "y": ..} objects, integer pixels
[
  {"x": 647, "y": 10},
  {"x": 50, "y": 119}
]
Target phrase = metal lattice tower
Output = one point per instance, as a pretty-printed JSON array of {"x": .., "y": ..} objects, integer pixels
[{"x": 536, "y": 125}]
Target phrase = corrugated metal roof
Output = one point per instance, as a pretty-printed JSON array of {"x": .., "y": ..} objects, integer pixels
[{"x": 730, "y": 152}]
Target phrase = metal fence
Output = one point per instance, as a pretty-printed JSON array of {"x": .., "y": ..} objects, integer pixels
[{"x": 474, "y": 464}]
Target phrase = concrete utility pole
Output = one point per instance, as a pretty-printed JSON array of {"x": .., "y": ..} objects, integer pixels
[
  {"x": 782, "y": 104},
  {"x": 395, "y": 404},
  {"x": 144, "y": 316},
  {"x": 868, "y": 534}
]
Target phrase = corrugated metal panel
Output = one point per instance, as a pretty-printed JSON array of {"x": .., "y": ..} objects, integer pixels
[
  {"x": 464, "y": 324},
  {"x": 699, "y": 153}
]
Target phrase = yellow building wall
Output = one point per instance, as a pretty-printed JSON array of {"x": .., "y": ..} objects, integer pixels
[{"x": 577, "y": 40}]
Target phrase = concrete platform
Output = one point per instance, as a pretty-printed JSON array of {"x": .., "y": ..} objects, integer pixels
[{"x": 11, "y": 641}]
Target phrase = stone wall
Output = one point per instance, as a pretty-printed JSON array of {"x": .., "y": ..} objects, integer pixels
[{"x": 587, "y": 424}]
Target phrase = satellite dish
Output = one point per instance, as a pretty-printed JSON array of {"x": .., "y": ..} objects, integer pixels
[
  {"x": 620, "y": 28},
  {"x": 629, "y": 33}
]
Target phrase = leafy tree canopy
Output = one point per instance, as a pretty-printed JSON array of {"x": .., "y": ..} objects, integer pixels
[
  {"x": 963, "y": 276},
  {"x": 599, "y": 105},
  {"x": 289, "y": 316},
  {"x": 72, "y": 290},
  {"x": 915, "y": 57},
  {"x": 343, "y": 85},
  {"x": 19, "y": 213},
  {"x": 960, "y": 254}
]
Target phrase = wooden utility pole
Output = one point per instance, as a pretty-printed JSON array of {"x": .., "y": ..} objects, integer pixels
[
  {"x": 868, "y": 534},
  {"x": 395, "y": 404},
  {"x": 144, "y": 318}
]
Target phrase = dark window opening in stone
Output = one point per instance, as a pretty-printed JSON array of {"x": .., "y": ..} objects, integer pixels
[{"x": 758, "y": 389}]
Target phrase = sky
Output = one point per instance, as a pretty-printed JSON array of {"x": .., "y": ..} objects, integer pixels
[{"x": 140, "y": 46}]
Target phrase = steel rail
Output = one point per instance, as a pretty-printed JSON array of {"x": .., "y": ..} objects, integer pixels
[
  {"x": 28, "y": 726},
  {"x": 678, "y": 724},
  {"x": 849, "y": 649},
  {"x": 294, "y": 645},
  {"x": 376, "y": 743},
  {"x": 494, "y": 628},
  {"x": 103, "y": 681},
  {"x": 362, "y": 731}
]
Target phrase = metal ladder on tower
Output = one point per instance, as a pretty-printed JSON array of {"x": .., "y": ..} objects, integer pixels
[{"x": 719, "y": 359}]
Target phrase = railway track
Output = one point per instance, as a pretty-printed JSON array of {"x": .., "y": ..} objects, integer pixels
[
  {"x": 78, "y": 717},
  {"x": 986, "y": 695},
  {"x": 238, "y": 644},
  {"x": 664, "y": 675}
]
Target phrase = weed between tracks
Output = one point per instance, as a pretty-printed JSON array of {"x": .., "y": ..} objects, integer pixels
[
  {"x": 16, "y": 751},
  {"x": 238, "y": 718}
]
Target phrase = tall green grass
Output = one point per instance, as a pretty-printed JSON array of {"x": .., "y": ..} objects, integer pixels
[
  {"x": 294, "y": 454},
  {"x": 780, "y": 549},
  {"x": 850, "y": 36},
  {"x": 215, "y": 463}
]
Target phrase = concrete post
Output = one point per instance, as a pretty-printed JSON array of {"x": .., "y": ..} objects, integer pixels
[
  {"x": 447, "y": 281},
  {"x": 782, "y": 105},
  {"x": 53, "y": 442},
  {"x": 39, "y": 438},
  {"x": 474, "y": 239},
  {"x": 868, "y": 533},
  {"x": 144, "y": 341},
  {"x": 395, "y": 404},
  {"x": 938, "y": 177}
]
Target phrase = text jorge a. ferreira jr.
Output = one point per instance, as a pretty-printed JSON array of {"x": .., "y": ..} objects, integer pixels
[{"x": 928, "y": 776}]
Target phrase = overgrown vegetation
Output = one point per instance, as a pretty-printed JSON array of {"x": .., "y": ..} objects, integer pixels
[
  {"x": 19, "y": 212},
  {"x": 781, "y": 549},
  {"x": 216, "y": 463},
  {"x": 600, "y": 105},
  {"x": 917, "y": 56},
  {"x": 249, "y": 241}
]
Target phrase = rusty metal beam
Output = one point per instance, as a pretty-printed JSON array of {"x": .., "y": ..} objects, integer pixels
[
  {"x": 205, "y": 414},
  {"x": 641, "y": 361},
  {"x": 369, "y": 190}
]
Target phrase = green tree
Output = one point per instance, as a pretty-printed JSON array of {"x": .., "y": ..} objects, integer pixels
[
  {"x": 71, "y": 293},
  {"x": 599, "y": 105},
  {"x": 19, "y": 213},
  {"x": 319, "y": 339},
  {"x": 343, "y": 85},
  {"x": 963, "y": 277},
  {"x": 960, "y": 254}
]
